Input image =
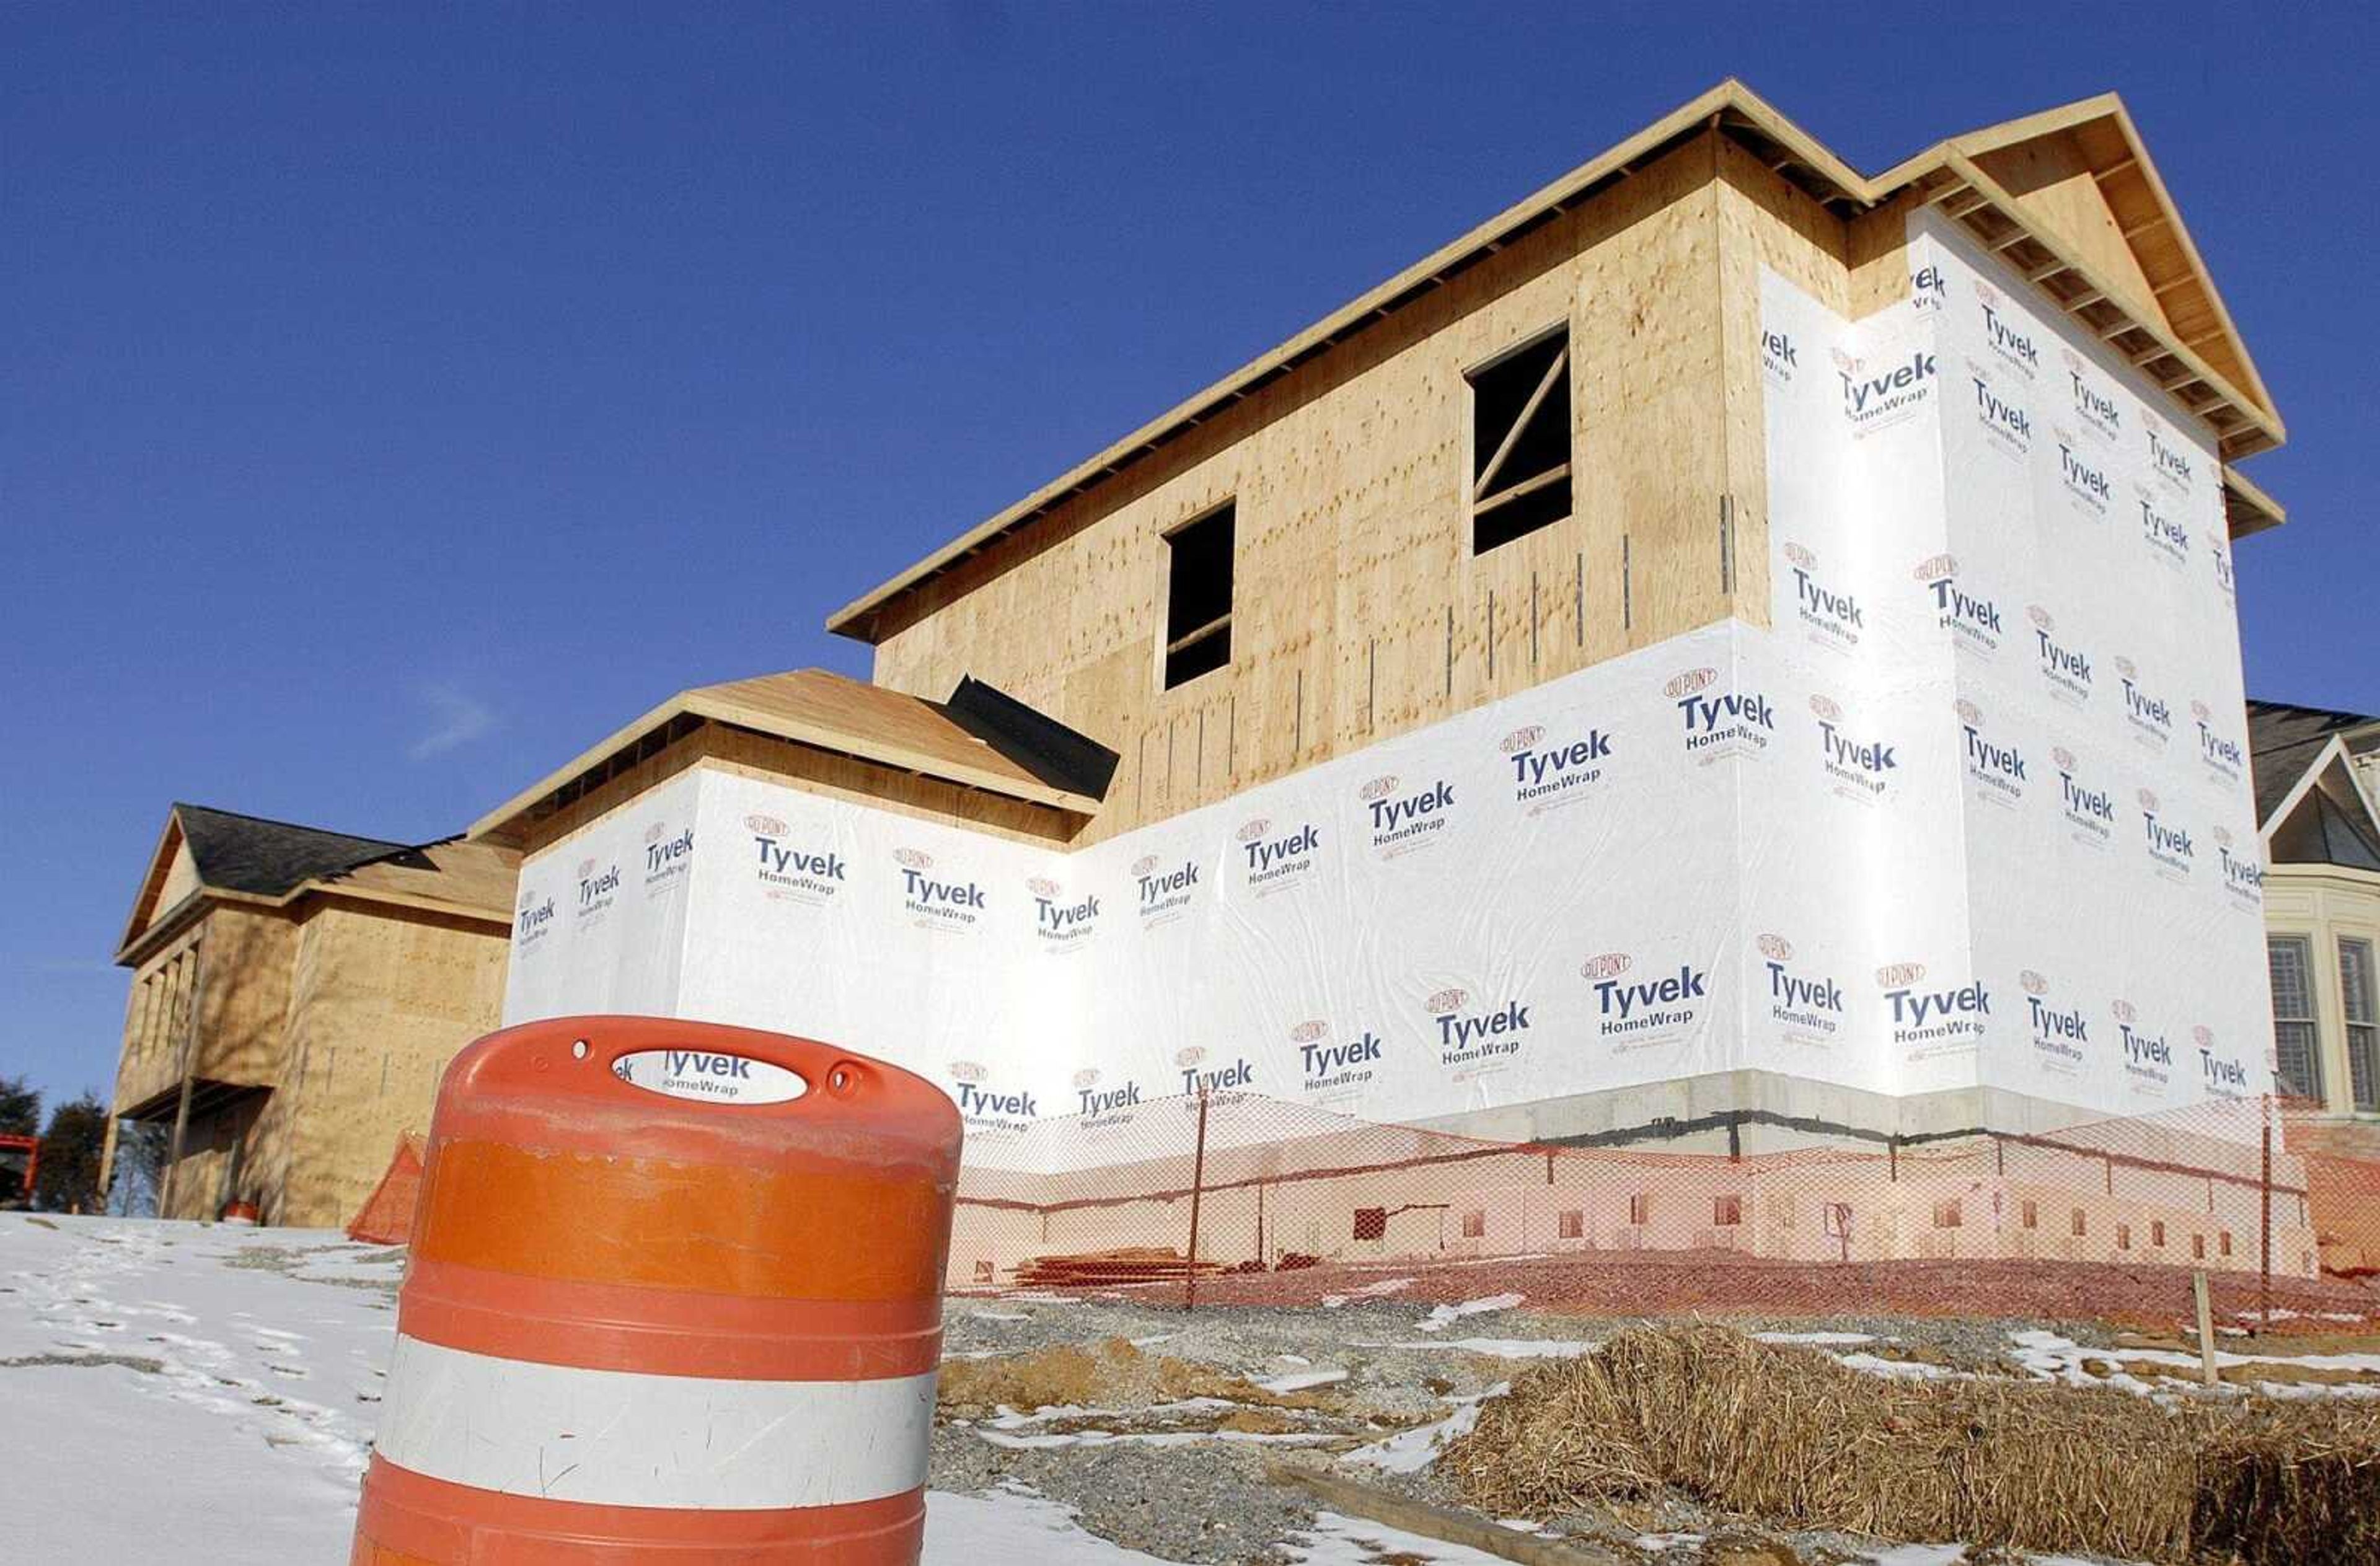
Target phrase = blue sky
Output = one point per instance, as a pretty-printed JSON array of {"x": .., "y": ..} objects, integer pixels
[{"x": 394, "y": 400}]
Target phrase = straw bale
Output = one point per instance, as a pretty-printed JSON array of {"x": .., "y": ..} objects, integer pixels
[{"x": 1788, "y": 1434}]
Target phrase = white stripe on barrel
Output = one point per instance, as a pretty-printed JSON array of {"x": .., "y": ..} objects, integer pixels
[{"x": 620, "y": 1438}]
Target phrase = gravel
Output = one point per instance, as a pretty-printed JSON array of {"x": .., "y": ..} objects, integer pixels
[{"x": 1163, "y": 1479}]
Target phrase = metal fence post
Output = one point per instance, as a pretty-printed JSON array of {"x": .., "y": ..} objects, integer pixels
[
  {"x": 1197, "y": 1187},
  {"x": 2264, "y": 1244}
]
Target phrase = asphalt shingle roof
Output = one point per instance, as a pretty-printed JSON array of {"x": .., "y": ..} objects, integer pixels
[
  {"x": 237, "y": 853},
  {"x": 2283, "y": 741}
]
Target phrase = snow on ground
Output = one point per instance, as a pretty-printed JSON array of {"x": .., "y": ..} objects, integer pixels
[
  {"x": 133, "y": 1349},
  {"x": 214, "y": 1389},
  {"x": 1444, "y": 1316},
  {"x": 1351, "y": 1541},
  {"x": 2054, "y": 1358}
]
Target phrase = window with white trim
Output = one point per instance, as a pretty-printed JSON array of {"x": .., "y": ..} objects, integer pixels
[
  {"x": 2297, "y": 1053},
  {"x": 2363, "y": 1022}
]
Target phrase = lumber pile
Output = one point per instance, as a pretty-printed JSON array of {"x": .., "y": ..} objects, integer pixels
[{"x": 1106, "y": 1269}]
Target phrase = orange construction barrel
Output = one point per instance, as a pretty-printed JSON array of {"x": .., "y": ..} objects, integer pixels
[{"x": 675, "y": 1296}]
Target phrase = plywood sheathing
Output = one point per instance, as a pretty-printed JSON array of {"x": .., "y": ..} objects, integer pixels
[
  {"x": 378, "y": 1006},
  {"x": 2097, "y": 137},
  {"x": 1360, "y": 611},
  {"x": 881, "y": 730},
  {"x": 765, "y": 756}
]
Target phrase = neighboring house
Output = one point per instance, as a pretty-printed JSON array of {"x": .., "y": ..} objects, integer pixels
[
  {"x": 2317, "y": 776},
  {"x": 296, "y": 993}
]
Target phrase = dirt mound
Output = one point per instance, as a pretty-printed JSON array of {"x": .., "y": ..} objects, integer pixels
[
  {"x": 1112, "y": 1374},
  {"x": 1789, "y": 1434}
]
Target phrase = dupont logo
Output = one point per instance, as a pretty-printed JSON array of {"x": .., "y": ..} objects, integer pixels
[
  {"x": 790, "y": 871},
  {"x": 1199, "y": 1078},
  {"x": 1277, "y": 859},
  {"x": 2089, "y": 808},
  {"x": 1097, "y": 1102},
  {"x": 1878, "y": 396},
  {"x": 1402, "y": 818},
  {"x": 2084, "y": 475},
  {"x": 2168, "y": 845},
  {"x": 1928, "y": 1018},
  {"x": 2148, "y": 1058},
  {"x": 1861, "y": 765},
  {"x": 2222, "y": 1074},
  {"x": 2168, "y": 459},
  {"x": 1972, "y": 618},
  {"x": 2151, "y": 716},
  {"x": 1548, "y": 774},
  {"x": 939, "y": 900},
  {"x": 2007, "y": 333},
  {"x": 985, "y": 1105},
  {"x": 2007, "y": 427},
  {"x": 1826, "y": 608},
  {"x": 667, "y": 854},
  {"x": 2058, "y": 1034},
  {"x": 2243, "y": 875},
  {"x": 2065, "y": 668},
  {"x": 2094, "y": 408},
  {"x": 1328, "y": 1066},
  {"x": 534, "y": 918},
  {"x": 1631, "y": 1010},
  {"x": 1061, "y": 921},
  {"x": 1806, "y": 1006},
  {"x": 1469, "y": 1034},
  {"x": 1995, "y": 766},
  {"x": 599, "y": 887},
  {"x": 2167, "y": 535},
  {"x": 1164, "y": 890},
  {"x": 2222, "y": 755},
  {"x": 1720, "y": 723}
]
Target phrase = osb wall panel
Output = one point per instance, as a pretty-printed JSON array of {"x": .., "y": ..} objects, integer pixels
[
  {"x": 217, "y": 1162},
  {"x": 1359, "y": 610},
  {"x": 1764, "y": 221},
  {"x": 243, "y": 995},
  {"x": 382, "y": 1002},
  {"x": 819, "y": 772}
]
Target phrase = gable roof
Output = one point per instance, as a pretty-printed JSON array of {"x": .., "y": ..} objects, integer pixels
[
  {"x": 243, "y": 858},
  {"x": 827, "y": 711},
  {"x": 2181, "y": 335},
  {"x": 2287, "y": 742},
  {"x": 2099, "y": 136}
]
